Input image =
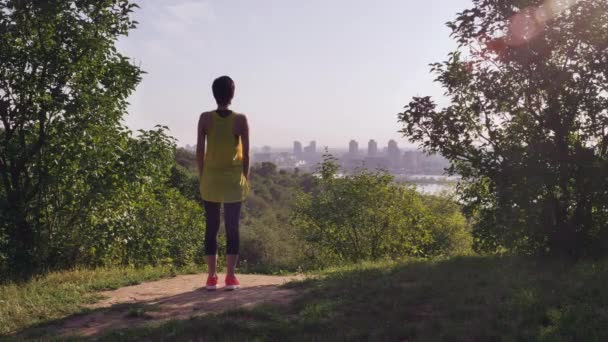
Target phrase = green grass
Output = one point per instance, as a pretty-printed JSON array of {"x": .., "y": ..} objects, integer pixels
[
  {"x": 462, "y": 299},
  {"x": 61, "y": 294}
]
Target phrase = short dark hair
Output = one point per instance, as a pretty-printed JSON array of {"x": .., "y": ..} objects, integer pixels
[{"x": 223, "y": 90}]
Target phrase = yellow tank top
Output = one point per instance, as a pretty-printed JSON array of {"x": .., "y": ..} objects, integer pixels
[{"x": 223, "y": 180}]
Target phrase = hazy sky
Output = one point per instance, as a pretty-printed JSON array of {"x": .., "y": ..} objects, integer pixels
[{"x": 328, "y": 70}]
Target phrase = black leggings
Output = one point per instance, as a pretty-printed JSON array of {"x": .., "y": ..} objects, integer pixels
[{"x": 231, "y": 221}]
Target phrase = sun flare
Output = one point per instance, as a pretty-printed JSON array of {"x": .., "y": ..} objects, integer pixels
[{"x": 529, "y": 22}]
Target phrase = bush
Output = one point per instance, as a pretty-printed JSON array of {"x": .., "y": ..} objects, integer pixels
[
  {"x": 269, "y": 245},
  {"x": 268, "y": 241},
  {"x": 449, "y": 228},
  {"x": 138, "y": 219},
  {"x": 367, "y": 216},
  {"x": 186, "y": 182},
  {"x": 120, "y": 208},
  {"x": 169, "y": 229}
]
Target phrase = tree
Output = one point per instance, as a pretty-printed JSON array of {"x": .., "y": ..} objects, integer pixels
[
  {"x": 63, "y": 93},
  {"x": 526, "y": 125}
]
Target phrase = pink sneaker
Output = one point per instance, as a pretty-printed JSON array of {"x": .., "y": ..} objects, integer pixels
[
  {"x": 211, "y": 283},
  {"x": 232, "y": 283}
]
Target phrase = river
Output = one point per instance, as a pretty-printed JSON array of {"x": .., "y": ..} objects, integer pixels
[{"x": 430, "y": 184}]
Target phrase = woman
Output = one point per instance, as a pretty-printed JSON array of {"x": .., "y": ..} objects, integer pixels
[{"x": 223, "y": 171}]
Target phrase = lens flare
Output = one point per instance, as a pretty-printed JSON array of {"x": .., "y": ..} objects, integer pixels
[
  {"x": 558, "y": 6},
  {"x": 523, "y": 27},
  {"x": 529, "y": 22}
]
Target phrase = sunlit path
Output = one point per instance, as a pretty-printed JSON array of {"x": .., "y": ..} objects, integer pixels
[{"x": 178, "y": 298}]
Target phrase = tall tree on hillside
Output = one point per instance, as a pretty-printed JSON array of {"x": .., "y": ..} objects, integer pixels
[
  {"x": 527, "y": 123},
  {"x": 63, "y": 91}
]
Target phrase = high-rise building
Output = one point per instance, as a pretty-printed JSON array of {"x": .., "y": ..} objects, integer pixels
[
  {"x": 297, "y": 148},
  {"x": 393, "y": 150},
  {"x": 266, "y": 149},
  {"x": 311, "y": 148},
  {"x": 412, "y": 161},
  {"x": 372, "y": 148},
  {"x": 353, "y": 147}
]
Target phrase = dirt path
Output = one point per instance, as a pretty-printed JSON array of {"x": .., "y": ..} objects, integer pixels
[{"x": 180, "y": 297}]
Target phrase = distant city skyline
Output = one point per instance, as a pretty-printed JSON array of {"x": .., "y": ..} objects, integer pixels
[
  {"x": 400, "y": 161},
  {"x": 298, "y": 146},
  {"x": 389, "y": 157}
]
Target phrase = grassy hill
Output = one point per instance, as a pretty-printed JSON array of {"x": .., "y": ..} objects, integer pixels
[
  {"x": 462, "y": 299},
  {"x": 459, "y": 299}
]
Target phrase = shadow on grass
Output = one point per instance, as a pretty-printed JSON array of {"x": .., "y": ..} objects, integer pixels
[{"x": 461, "y": 299}]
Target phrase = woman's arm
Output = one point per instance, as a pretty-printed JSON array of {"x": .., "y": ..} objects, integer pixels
[
  {"x": 200, "y": 144},
  {"x": 244, "y": 133}
]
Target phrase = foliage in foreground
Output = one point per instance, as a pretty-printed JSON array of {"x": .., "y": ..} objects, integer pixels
[
  {"x": 76, "y": 187},
  {"x": 461, "y": 299},
  {"x": 526, "y": 126},
  {"x": 63, "y": 92},
  {"x": 366, "y": 216}
]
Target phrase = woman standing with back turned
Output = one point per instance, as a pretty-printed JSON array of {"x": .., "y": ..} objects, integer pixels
[{"x": 223, "y": 171}]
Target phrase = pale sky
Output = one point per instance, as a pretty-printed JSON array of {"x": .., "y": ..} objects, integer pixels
[{"x": 324, "y": 70}]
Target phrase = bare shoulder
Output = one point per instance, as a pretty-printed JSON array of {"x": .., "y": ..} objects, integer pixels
[
  {"x": 206, "y": 115},
  {"x": 241, "y": 126},
  {"x": 240, "y": 120},
  {"x": 204, "y": 122},
  {"x": 241, "y": 117}
]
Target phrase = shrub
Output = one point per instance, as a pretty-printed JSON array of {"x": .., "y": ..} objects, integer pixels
[
  {"x": 269, "y": 245},
  {"x": 368, "y": 216},
  {"x": 169, "y": 229},
  {"x": 449, "y": 228}
]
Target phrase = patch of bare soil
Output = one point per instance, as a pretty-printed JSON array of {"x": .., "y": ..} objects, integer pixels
[{"x": 180, "y": 298}]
